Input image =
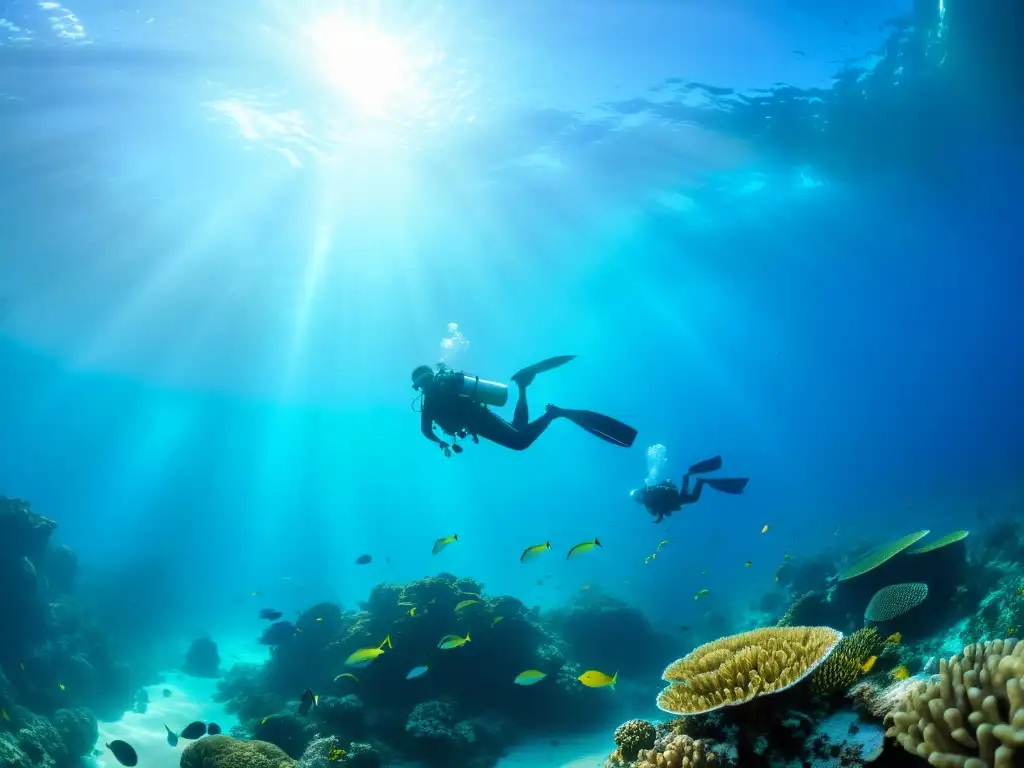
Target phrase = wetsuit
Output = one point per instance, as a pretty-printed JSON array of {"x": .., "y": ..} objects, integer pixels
[{"x": 664, "y": 498}]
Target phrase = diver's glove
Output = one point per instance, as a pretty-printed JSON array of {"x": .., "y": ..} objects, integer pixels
[{"x": 446, "y": 449}]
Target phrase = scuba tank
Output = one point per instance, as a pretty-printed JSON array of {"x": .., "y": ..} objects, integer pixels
[{"x": 476, "y": 389}]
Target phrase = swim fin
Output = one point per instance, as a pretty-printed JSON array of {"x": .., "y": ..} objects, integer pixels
[
  {"x": 605, "y": 427},
  {"x": 525, "y": 377},
  {"x": 734, "y": 485},
  {"x": 708, "y": 465}
]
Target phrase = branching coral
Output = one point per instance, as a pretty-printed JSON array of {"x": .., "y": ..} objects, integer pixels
[
  {"x": 738, "y": 668},
  {"x": 895, "y": 600},
  {"x": 680, "y": 752},
  {"x": 843, "y": 666},
  {"x": 226, "y": 752},
  {"x": 632, "y": 736},
  {"x": 972, "y": 716}
]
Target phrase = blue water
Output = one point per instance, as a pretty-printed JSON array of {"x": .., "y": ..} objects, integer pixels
[{"x": 782, "y": 232}]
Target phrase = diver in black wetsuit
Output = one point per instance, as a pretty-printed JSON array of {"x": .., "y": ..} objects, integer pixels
[
  {"x": 458, "y": 404},
  {"x": 664, "y": 498}
]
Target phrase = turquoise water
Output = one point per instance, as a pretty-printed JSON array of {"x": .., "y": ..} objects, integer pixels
[{"x": 783, "y": 233}]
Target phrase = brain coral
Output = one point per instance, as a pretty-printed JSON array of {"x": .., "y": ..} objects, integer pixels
[
  {"x": 843, "y": 666},
  {"x": 893, "y": 601},
  {"x": 225, "y": 752},
  {"x": 972, "y": 716},
  {"x": 632, "y": 736},
  {"x": 735, "y": 669},
  {"x": 680, "y": 752}
]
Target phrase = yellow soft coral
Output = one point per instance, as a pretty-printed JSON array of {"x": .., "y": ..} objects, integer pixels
[
  {"x": 681, "y": 752},
  {"x": 972, "y": 716},
  {"x": 844, "y": 666},
  {"x": 738, "y": 668},
  {"x": 225, "y": 752}
]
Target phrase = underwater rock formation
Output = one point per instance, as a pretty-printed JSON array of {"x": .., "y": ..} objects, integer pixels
[{"x": 202, "y": 658}]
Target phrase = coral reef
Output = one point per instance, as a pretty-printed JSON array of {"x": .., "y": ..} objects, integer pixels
[
  {"x": 225, "y": 752},
  {"x": 843, "y": 667},
  {"x": 632, "y": 736},
  {"x": 894, "y": 601},
  {"x": 739, "y": 668},
  {"x": 202, "y": 658},
  {"x": 974, "y": 710}
]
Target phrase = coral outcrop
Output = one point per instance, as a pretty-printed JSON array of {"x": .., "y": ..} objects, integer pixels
[
  {"x": 633, "y": 736},
  {"x": 202, "y": 658},
  {"x": 226, "y": 752},
  {"x": 894, "y": 601}
]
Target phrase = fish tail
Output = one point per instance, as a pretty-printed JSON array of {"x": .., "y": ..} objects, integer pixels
[
  {"x": 615, "y": 679},
  {"x": 598, "y": 543},
  {"x": 467, "y": 637},
  {"x": 455, "y": 537}
]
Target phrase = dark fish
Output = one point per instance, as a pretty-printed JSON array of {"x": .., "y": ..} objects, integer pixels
[
  {"x": 123, "y": 752},
  {"x": 167, "y": 692},
  {"x": 213, "y": 729},
  {"x": 172, "y": 737},
  {"x": 364, "y": 560},
  {"x": 194, "y": 730},
  {"x": 308, "y": 700},
  {"x": 270, "y": 614}
]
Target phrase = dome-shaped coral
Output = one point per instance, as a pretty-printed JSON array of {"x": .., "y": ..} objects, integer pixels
[
  {"x": 226, "y": 752},
  {"x": 738, "y": 668},
  {"x": 680, "y": 752},
  {"x": 632, "y": 736},
  {"x": 895, "y": 600}
]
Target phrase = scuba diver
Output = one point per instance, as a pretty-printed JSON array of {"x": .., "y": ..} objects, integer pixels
[
  {"x": 460, "y": 405},
  {"x": 664, "y": 498}
]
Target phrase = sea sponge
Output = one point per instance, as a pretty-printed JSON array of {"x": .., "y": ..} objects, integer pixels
[
  {"x": 680, "y": 752},
  {"x": 632, "y": 736},
  {"x": 225, "y": 752},
  {"x": 843, "y": 666},
  {"x": 893, "y": 601},
  {"x": 733, "y": 670},
  {"x": 972, "y": 716},
  {"x": 880, "y": 555}
]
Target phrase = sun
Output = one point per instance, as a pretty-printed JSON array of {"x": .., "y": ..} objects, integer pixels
[{"x": 367, "y": 66}]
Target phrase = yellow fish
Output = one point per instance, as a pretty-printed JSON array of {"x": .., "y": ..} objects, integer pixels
[
  {"x": 764, "y": 529},
  {"x": 496, "y": 620},
  {"x": 61, "y": 685},
  {"x": 1011, "y": 630},
  {"x": 594, "y": 679},
  {"x": 747, "y": 564},
  {"x": 8, "y": 717},
  {"x": 364, "y": 656},
  {"x": 452, "y": 641},
  {"x": 466, "y": 604},
  {"x": 535, "y": 551},
  {"x": 529, "y": 677},
  {"x": 444, "y": 542},
  {"x": 900, "y": 673},
  {"x": 585, "y": 587},
  {"x": 412, "y": 611},
  {"x": 579, "y": 549},
  {"x": 336, "y": 753},
  {"x": 346, "y": 674},
  {"x": 319, "y": 618},
  {"x": 867, "y": 665},
  {"x": 702, "y": 593},
  {"x": 785, "y": 556},
  {"x": 894, "y": 639},
  {"x": 264, "y": 720},
  {"x": 776, "y": 579},
  {"x": 662, "y": 543}
]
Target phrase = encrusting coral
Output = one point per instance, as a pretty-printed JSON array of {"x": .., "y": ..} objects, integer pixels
[
  {"x": 895, "y": 600},
  {"x": 843, "y": 666},
  {"x": 632, "y": 736},
  {"x": 225, "y": 752},
  {"x": 736, "y": 669},
  {"x": 972, "y": 716}
]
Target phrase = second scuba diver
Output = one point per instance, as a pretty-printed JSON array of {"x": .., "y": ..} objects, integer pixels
[
  {"x": 460, "y": 405},
  {"x": 664, "y": 498}
]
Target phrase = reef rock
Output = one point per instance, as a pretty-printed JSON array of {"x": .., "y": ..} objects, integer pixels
[
  {"x": 202, "y": 659},
  {"x": 225, "y": 752}
]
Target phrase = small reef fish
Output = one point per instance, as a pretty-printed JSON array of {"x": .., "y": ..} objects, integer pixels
[
  {"x": 213, "y": 729},
  {"x": 496, "y": 620},
  {"x": 532, "y": 553},
  {"x": 364, "y": 560},
  {"x": 346, "y": 674},
  {"x": 703, "y": 573},
  {"x": 452, "y": 641},
  {"x": 466, "y": 604},
  {"x": 3, "y": 713},
  {"x": 336, "y": 753},
  {"x": 193, "y": 730},
  {"x": 702, "y": 593},
  {"x": 785, "y": 556},
  {"x": 443, "y": 542},
  {"x": 764, "y": 529},
  {"x": 894, "y": 639},
  {"x": 747, "y": 564},
  {"x": 364, "y": 656},
  {"x": 900, "y": 673},
  {"x": 684, "y": 627},
  {"x": 585, "y": 587},
  {"x": 662, "y": 543},
  {"x": 269, "y": 614},
  {"x": 594, "y": 679},
  {"x": 123, "y": 752},
  {"x": 62, "y": 686},
  {"x": 650, "y": 557},
  {"x": 868, "y": 665},
  {"x": 415, "y": 672},
  {"x": 412, "y": 611},
  {"x": 309, "y": 699},
  {"x": 172, "y": 737},
  {"x": 585, "y": 546},
  {"x": 529, "y": 677},
  {"x": 1011, "y": 631}
]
